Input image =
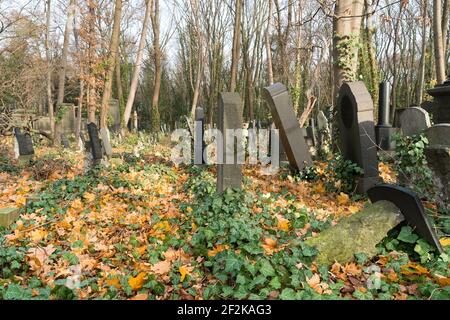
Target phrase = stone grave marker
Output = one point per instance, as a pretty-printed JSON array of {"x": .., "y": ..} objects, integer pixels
[
  {"x": 438, "y": 156},
  {"x": 68, "y": 119},
  {"x": 199, "y": 141},
  {"x": 357, "y": 132},
  {"x": 292, "y": 138},
  {"x": 94, "y": 143},
  {"x": 114, "y": 115},
  {"x": 23, "y": 146},
  {"x": 229, "y": 117},
  {"x": 414, "y": 121},
  {"x": 384, "y": 131},
  {"x": 441, "y": 103},
  {"x": 81, "y": 143},
  {"x": 65, "y": 142},
  {"x": 411, "y": 208},
  {"x": 8, "y": 216},
  {"x": 323, "y": 131},
  {"x": 106, "y": 141}
]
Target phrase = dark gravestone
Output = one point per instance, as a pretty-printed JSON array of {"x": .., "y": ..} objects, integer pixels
[
  {"x": 94, "y": 142},
  {"x": 229, "y": 117},
  {"x": 427, "y": 106},
  {"x": 65, "y": 142},
  {"x": 441, "y": 104},
  {"x": 357, "y": 132},
  {"x": 311, "y": 132},
  {"x": 384, "y": 131},
  {"x": 199, "y": 141},
  {"x": 295, "y": 146},
  {"x": 410, "y": 206},
  {"x": 414, "y": 120},
  {"x": 24, "y": 142},
  {"x": 438, "y": 156}
]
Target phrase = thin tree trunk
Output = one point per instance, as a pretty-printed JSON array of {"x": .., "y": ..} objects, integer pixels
[
  {"x": 421, "y": 78},
  {"x": 445, "y": 25},
  {"x": 119, "y": 80},
  {"x": 155, "y": 118},
  {"x": 236, "y": 46},
  {"x": 62, "y": 70},
  {"x": 111, "y": 64},
  {"x": 438, "y": 41},
  {"x": 137, "y": 68},
  {"x": 51, "y": 112},
  {"x": 395, "y": 63}
]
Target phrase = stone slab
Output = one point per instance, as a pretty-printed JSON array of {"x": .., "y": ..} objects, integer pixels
[
  {"x": 106, "y": 141},
  {"x": 8, "y": 216},
  {"x": 414, "y": 121},
  {"x": 292, "y": 138}
]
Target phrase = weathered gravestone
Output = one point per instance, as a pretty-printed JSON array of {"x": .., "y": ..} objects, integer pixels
[
  {"x": 106, "y": 141},
  {"x": 94, "y": 143},
  {"x": 199, "y": 141},
  {"x": 23, "y": 146},
  {"x": 42, "y": 124},
  {"x": 384, "y": 131},
  {"x": 68, "y": 118},
  {"x": 361, "y": 232},
  {"x": 323, "y": 132},
  {"x": 441, "y": 104},
  {"x": 65, "y": 142},
  {"x": 357, "y": 132},
  {"x": 292, "y": 138},
  {"x": 114, "y": 115},
  {"x": 8, "y": 216},
  {"x": 438, "y": 156},
  {"x": 229, "y": 173},
  {"x": 414, "y": 121}
]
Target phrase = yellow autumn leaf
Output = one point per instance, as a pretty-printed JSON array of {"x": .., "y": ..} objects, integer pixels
[
  {"x": 137, "y": 282},
  {"x": 283, "y": 224},
  {"x": 413, "y": 269},
  {"x": 319, "y": 188},
  {"x": 184, "y": 271},
  {"x": 189, "y": 209},
  {"x": 445, "y": 242},
  {"x": 38, "y": 235},
  {"x": 21, "y": 201},
  {"x": 89, "y": 197},
  {"x": 353, "y": 209},
  {"x": 343, "y": 199},
  {"x": 114, "y": 282}
]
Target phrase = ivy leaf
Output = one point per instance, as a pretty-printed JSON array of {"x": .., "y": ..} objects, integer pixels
[
  {"x": 266, "y": 268},
  {"x": 275, "y": 283},
  {"x": 407, "y": 236},
  {"x": 288, "y": 294}
]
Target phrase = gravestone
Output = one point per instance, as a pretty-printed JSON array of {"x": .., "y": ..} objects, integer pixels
[
  {"x": 106, "y": 141},
  {"x": 65, "y": 142},
  {"x": 68, "y": 118},
  {"x": 292, "y": 138},
  {"x": 414, "y": 121},
  {"x": 81, "y": 143},
  {"x": 23, "y": 146},
  {"x": 384, "y": 131},
  {"x": 114, "y": 115},
  {"x": 229, "y": 117},
  {"x": 357, "y": 132},
  {"x": 42, "y": 124},
  {"x": 438, "y": 156},
  {"x": 94, "y": 143},
  {"x": 441, "y": 103},
  {"x": 397, "y": 116},
  {"x": 8, "y": 216},
  {"x": 311, "y": 132},
  {"x": 411, "y": 208},
  {"x": 323, "y": 132},
  {"x": 135, "y": 121},
  {"x": 282, "y": 153},
  {"x": 199, "y": 141},
  {"x": 427, "y": 106}
]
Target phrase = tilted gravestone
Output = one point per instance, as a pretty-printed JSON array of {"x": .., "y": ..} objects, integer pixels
[
  {"x": 23, "y": 146},
  {"x": 94, "y": 143},
  {"x": 229, "y": 117},
  {"x": 438, "y": 156},
  {"x": 292, "y": 138},
  {"x": 357, "y": 132},
  {"x": 414, "y": 121},
  {"x": 411, "y": 208},
  {"x": 199, "y": 141},
  {"x": 106, "y": 141}
]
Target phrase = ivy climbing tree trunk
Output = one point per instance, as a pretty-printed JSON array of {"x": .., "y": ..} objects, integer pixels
[
  {"x": 346, "y": 27},
  {"x": 155, "y": 118}
]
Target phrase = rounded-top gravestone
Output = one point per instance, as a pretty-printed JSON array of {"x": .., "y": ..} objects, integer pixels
[{"x": 414, "y": 121}]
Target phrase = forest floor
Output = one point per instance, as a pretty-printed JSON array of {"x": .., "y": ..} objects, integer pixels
[{"x": 145, "y": 229}]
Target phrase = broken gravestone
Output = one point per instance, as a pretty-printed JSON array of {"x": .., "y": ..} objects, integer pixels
[
  {"x": 23, "y": 146},
  {"x": 357, "y": 132},
  {"x": 361, "y": 232},
  {"x": 292, "y": 138},
  {"x": 229, "y": 173},
  {"x": 438, "y": 156},
  {"x": 414, "y": 121},
  {"x": 8, "y": 216}
]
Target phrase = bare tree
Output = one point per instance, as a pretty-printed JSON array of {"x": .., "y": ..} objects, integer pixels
[{"x": 439, "y": 55}]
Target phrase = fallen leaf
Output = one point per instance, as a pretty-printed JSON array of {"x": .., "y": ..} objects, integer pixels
[
  {"x": 184, "y": 271},
  {"x": 343, "y": 199},
  {"x": 114, "y": 282},
  {"x": 162, "y": 267},
  {"x": 413, "y": 269},
  {"x": 137, "y": 282},
  {"x": 445, "y": 242}
]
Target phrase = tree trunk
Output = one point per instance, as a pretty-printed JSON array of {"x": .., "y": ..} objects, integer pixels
[
  {"x": 421, "y": 78},
  {"x": 236, "y": 46},
  {"x": 112, "y": 54},
  {"x": 438, "y": 41},
  {"x": 51, "y": 112},
  {"x": 395, "y": 64},
  {"x": 268, "y": 47},
  {"x": 62, "y": 70},
  {"x": 137, "y": 68},
  {"x": 155, "y": 118}
]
